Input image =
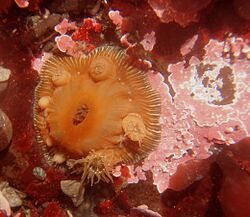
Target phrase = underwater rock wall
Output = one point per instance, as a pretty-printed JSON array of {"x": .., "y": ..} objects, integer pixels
[{"x": 195, "y": 54}]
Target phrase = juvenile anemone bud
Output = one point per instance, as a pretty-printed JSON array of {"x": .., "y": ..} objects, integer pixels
[
  {"x": 6, "y": 130},
  {"x": 102, "y": 68},
  {"x": 99, "y": 100},
  {"x": 61, "y": 78},
  {"x": 48, "y": 141},
  {"x": 44, "y": 102},
  {"x": 134, "y": 127}
]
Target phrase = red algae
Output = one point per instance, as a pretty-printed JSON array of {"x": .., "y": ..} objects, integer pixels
[
  {"x": 190, "y": 5},
  {"x": 167, "y": 12},
  {"x": 89, "y": 31},
  {"x": 3, "y": 214},
  {"x": 22, "y": 79},
  {"x": 135, "y": 17},
  {"x": 5, "y": 5},
  {"x": 195, "y": 205},
  {"x": 104, "y": 207},
  {"x": 224, "y": 169},
  {"x": 125, "y": 172},
  {"x": 45, "y": 191},
  {"x": 54, "y": 209},
  {"x": 42, "y": 192},
  {"x": 242, "y": 7},
  {"x": 188, "y": 173},
  {"x": 235, "y": 189}
]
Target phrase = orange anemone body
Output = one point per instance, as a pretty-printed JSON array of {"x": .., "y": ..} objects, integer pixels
[{"x": 97, "y": 103}]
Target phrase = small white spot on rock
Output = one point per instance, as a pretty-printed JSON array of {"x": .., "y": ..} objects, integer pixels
[{"x": 229, "y": 130}]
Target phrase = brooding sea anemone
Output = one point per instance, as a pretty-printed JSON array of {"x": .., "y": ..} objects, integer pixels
[{"x": 97, "y": 109}]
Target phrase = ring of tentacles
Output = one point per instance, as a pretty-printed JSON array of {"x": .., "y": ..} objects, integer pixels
[{"x": 99, "y": 109}]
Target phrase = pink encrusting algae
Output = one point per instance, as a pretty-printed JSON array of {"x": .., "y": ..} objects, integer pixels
[
  {"x": 65, "y": 26},
  {"x": 188, "y": 45},
  {"x": 37, "y": 62},
  {"x": 167, "y": 13},
  {"x": 200, "y": 112},
  {"x": 148, "y": 41},
  {"x": 67, "y": 45},
  {"x": 116, "y": 18}
]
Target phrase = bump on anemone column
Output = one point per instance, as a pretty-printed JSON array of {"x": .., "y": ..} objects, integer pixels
[{"x": 97, "y": 109}]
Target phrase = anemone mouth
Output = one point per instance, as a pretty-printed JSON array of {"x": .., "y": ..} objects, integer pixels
[
  {"x": 93, "y": 102},
  {"x": 80, "y": 114}
]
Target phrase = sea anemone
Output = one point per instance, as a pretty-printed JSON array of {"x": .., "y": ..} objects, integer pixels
[{"x": 98, "y": 109}]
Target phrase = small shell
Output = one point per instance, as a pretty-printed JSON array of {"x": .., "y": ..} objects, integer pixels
[
  {"x": 39, "y": 173},
  {"x": 4, "y": 74},
  {"x": 72, "y": 188},
  {"x": 69, "y": 213},
  {"x": 13, "y": 196},
  {"x": 4, "y": 204},
  {"x": 6, "y": 131}
]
